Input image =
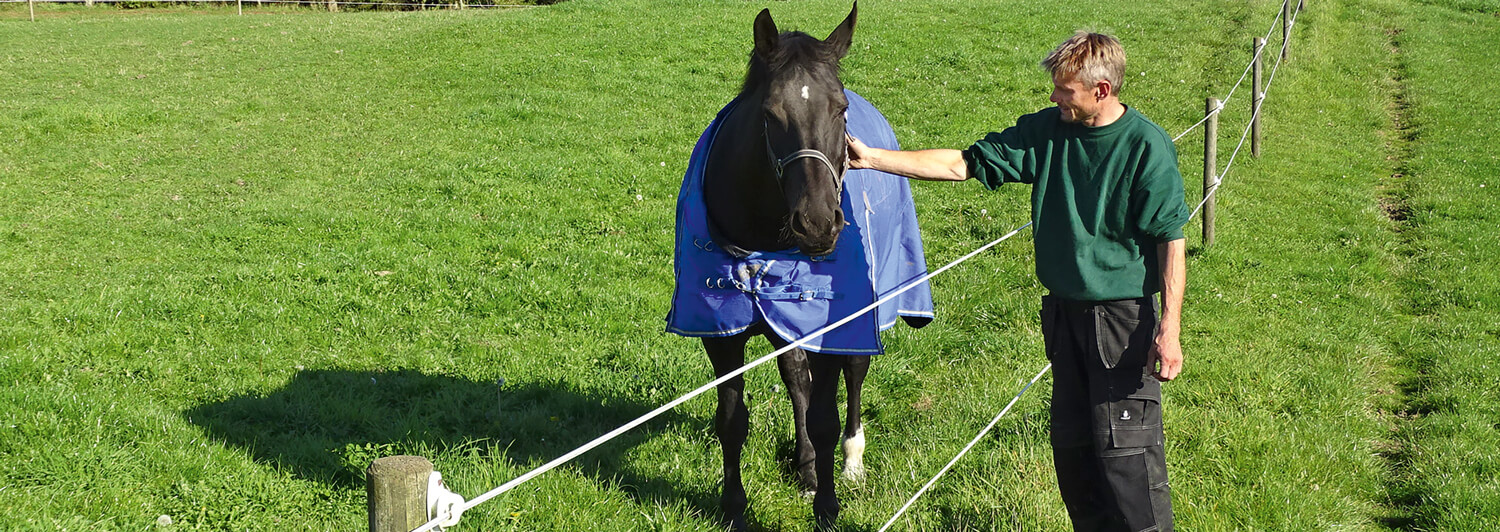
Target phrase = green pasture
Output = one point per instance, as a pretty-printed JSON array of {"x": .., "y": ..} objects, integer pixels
[{"x": 243, "y": 256}]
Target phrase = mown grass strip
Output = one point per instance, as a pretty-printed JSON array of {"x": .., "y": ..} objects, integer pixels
[{"x": 1444, "y": 471}]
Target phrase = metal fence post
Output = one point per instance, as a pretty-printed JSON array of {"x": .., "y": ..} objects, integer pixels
[{"x": 1210, "y": 168}]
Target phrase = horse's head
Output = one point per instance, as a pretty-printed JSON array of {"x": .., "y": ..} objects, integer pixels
[{"x": 803, "y": 109}]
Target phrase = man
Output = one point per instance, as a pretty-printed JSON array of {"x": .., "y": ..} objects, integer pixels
[{"x": 1108, "y": 210}]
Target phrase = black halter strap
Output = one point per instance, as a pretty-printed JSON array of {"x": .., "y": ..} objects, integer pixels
[{"x": 779, "y": 164}]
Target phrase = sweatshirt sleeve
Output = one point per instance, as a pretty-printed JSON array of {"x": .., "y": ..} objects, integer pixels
[
  {"x": 1000, "y": 158},
  {"x": 1161, "y": 205}
]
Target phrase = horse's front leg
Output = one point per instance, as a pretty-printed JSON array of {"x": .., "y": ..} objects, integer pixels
[
  {"x": 855, "y": 369},
  {"x": 797, "y": 377},
  {"x": 823, "y": 428},
  {"x": 731, "y": 423}
]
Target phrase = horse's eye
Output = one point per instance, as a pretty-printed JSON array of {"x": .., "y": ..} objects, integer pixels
[{"x": 771, "y": 118}]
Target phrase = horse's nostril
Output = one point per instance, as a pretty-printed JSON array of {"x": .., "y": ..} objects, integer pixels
[{"x": 799, "y": 225}]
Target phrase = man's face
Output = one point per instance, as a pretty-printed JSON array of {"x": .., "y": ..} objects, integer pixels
[{"x": 1078, "y": 102}]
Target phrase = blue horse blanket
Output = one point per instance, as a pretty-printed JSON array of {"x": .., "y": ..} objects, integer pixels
[{"x": 719, "y": 294}]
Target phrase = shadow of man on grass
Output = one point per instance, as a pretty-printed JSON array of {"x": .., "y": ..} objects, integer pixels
[{"x": 328, "y": 425}]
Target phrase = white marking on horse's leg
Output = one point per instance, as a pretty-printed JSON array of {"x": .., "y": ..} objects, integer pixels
[
  {"x": 804, "y": 92},
  {"x": 854, "y": 456}
]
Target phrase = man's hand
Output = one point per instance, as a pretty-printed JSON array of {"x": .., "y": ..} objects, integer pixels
[
  {"x": 1165, "y": 358},
  {"x": 927, "y": 165},
  {"x": 858, "y": 153}
]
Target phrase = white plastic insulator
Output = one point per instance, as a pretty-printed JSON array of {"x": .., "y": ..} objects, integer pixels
[{"x": 441, "y": 502}]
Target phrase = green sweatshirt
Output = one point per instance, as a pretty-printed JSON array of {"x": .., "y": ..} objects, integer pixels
[{"x": 1102, "y": 198}]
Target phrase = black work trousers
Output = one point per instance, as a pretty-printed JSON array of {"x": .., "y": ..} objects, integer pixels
[{"x": 1106, "y": 414}]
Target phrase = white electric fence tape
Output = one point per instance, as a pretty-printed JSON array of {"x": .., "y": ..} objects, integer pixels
[
  {"x": 965, "y": 449},
  {"x": 1236, "y": 86},
  {"x": 1265, "y": 92}
]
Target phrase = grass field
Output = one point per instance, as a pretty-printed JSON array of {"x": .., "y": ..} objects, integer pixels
[{"x": 241, "y": 257}]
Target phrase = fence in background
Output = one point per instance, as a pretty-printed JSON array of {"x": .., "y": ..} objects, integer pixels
[{"x": 332, "y": 5}]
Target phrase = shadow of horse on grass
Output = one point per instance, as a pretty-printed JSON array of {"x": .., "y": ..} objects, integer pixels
[{"x": 328, "y": 425}]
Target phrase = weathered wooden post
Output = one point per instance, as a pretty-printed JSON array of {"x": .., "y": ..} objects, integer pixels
[
  {"x": 1260, "y": 47},
  {"x": 239, "y": 5},
  {"x": 396, "y": 487},
  {"x": 1286, "y": 29},
  {"x": 31, "y": 4},
  {"x": 1210, "y": 168}
]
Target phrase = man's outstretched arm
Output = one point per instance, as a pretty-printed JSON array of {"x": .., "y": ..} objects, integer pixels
[{"x": 927, "y": 165}]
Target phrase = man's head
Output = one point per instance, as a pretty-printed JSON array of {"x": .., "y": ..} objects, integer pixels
[{"x": 1087, "y": 70}]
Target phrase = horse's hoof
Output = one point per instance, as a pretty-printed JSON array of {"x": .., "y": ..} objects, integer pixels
[
  {"x": 826, "y": 510},
  {"x": 733, "y": 503},
  {"x": 854, "y": 457},
  {"x": 807, "y": 495},
  {"x": 808, "y": 481},
  {"x": 854, "y": 473}
]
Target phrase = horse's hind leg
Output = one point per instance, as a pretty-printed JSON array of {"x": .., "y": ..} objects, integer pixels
[
  {"x": 855, "y": 369},
  {"x": 823, "y": 428},
  {"x": 797, "y": 377},
  {"x": 731, "y": 423}
]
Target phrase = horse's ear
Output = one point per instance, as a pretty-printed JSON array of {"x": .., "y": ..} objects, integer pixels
[
  {"x": 766, "y": 35},
  {"x": 844, "y": 34}
]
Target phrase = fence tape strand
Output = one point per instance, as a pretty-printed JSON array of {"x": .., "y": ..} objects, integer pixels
[
  {"x": 966, "y": 448},
  {"x": 1236, "y": 86}
]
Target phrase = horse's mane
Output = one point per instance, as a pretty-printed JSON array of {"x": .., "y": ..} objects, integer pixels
[{"x": 793, "y": 48}]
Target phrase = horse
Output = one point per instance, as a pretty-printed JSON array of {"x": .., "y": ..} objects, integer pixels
[{"x": 773, "y": 241}]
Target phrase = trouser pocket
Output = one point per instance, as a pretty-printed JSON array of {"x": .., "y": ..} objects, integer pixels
[
  {"x": 1137, "y": 479},
  {"x": 1123, "y": 332}
]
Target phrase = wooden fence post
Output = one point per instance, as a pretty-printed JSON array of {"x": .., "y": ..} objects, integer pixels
[
  {"x": 1210, "y": 168},
  {"x": 239, "y": 5},
  {"x": 1286, "y": 29},
  {"x": 396, "y": 487},
  {"x": 31, "y": 4},
  {"x": 1256, "y": 97}
]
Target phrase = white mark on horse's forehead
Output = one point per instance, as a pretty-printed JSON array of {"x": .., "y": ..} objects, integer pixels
[{"x": 804, "y": 92}]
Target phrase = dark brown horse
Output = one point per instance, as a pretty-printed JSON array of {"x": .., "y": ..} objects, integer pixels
[{"x": 772, "y": 182}]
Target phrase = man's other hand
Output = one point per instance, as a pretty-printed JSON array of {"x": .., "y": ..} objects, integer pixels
[{"x": 1166, "y": 357}]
